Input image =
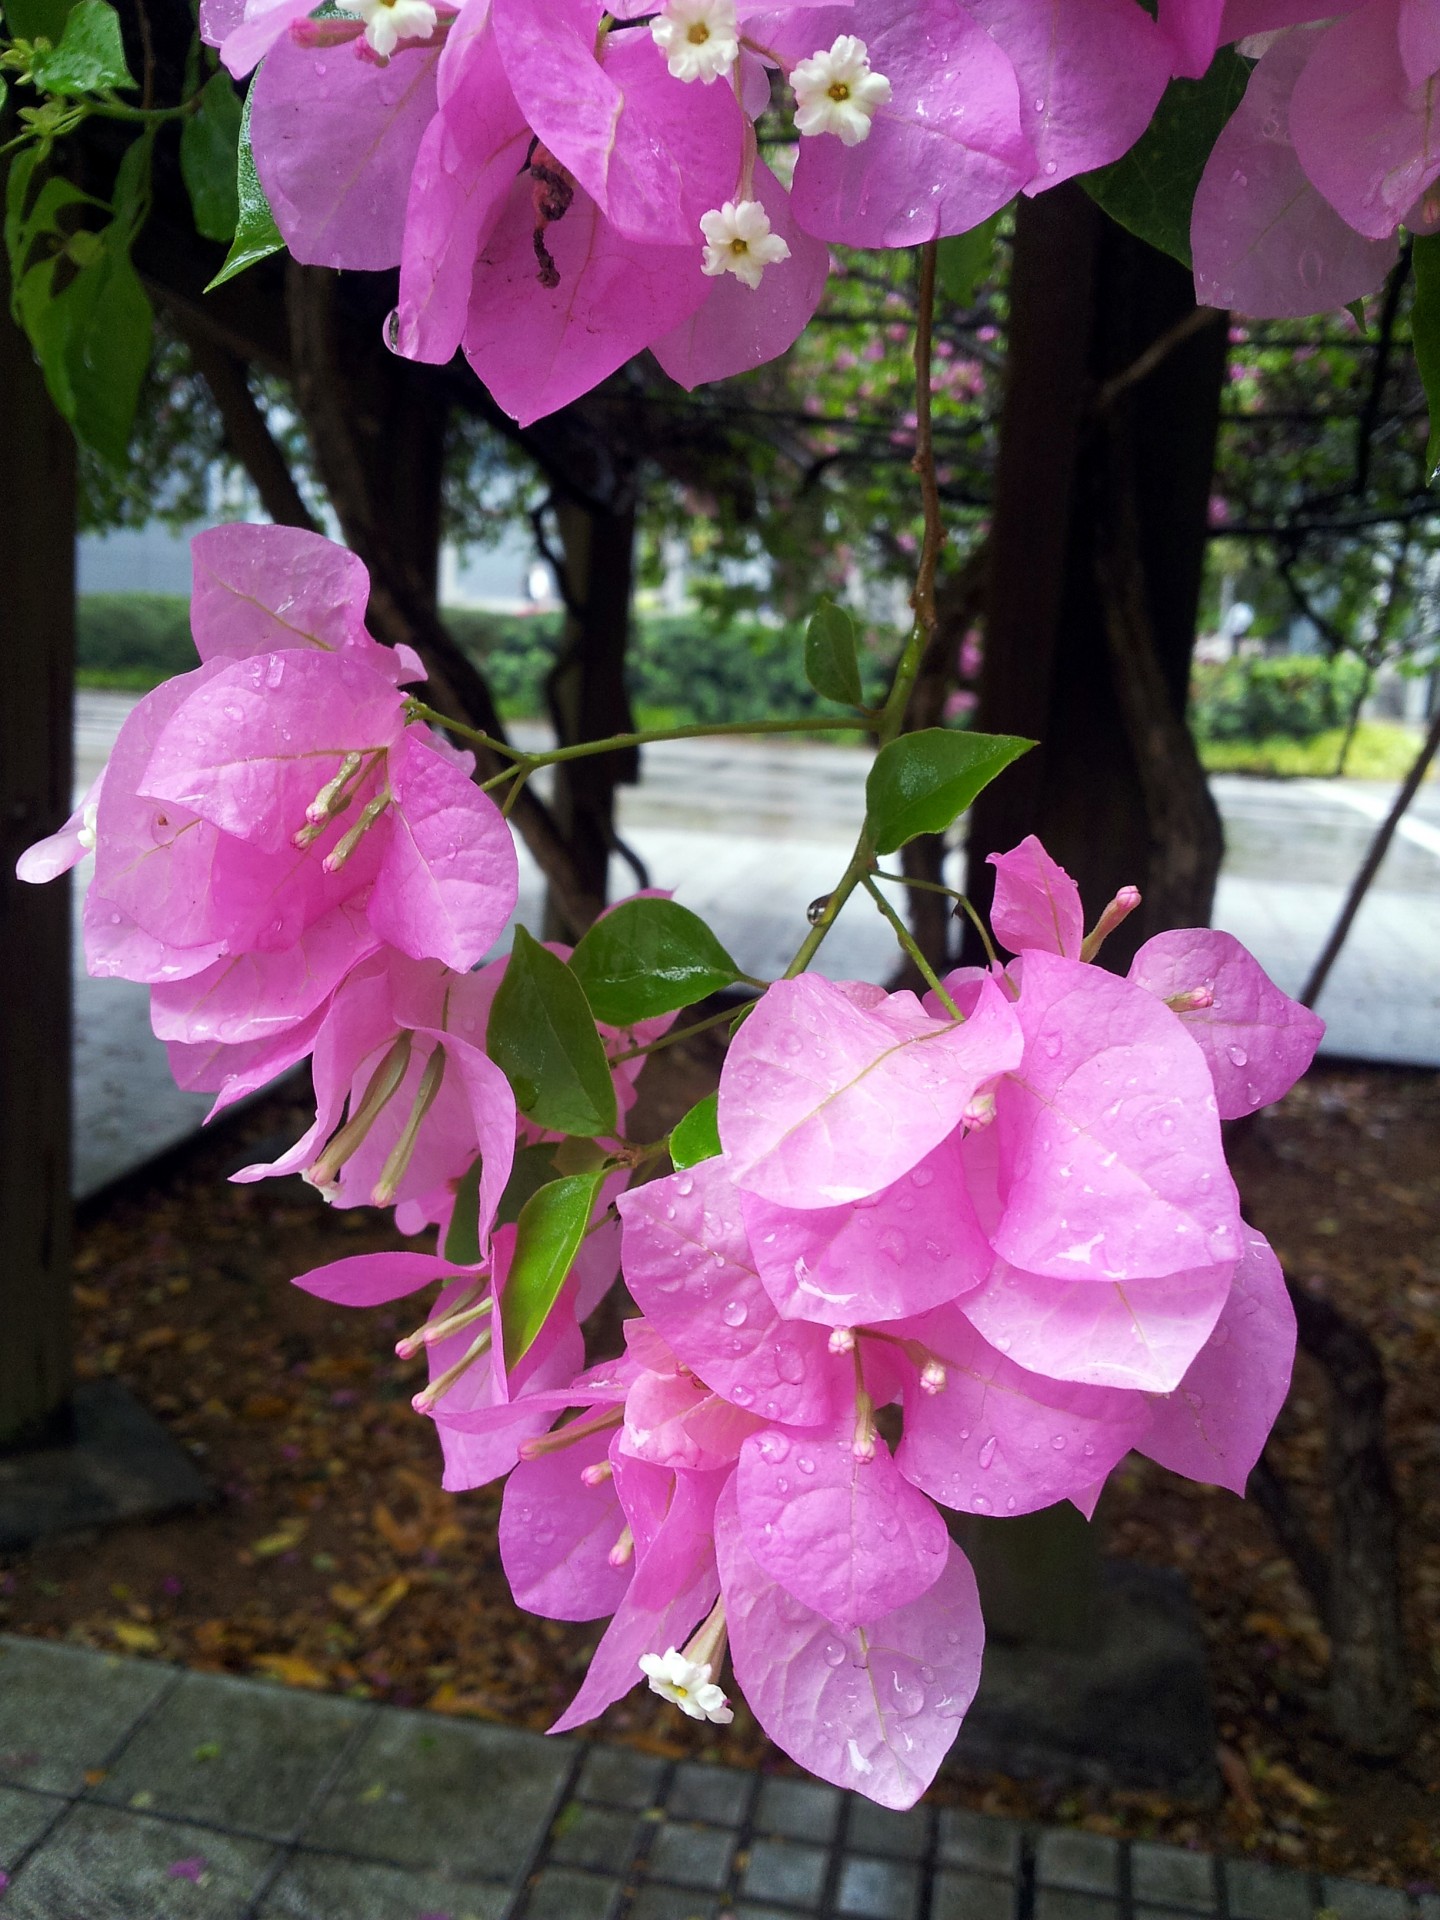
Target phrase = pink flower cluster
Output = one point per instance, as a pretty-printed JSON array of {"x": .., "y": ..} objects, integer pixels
[
  {"x": 562, "y": 185},
  {"x": 1328, "y": 154},
  {"x": 939, "y": 1262}
]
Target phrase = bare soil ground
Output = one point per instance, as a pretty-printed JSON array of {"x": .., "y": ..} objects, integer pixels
[{"x": 331, "y": 1559}]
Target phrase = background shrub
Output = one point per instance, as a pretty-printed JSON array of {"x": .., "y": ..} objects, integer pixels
[{"x": 1295, "y": 696}]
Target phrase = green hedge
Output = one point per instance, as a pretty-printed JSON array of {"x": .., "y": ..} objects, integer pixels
[
  {"x": 132, "y": 640},
  {"x": 1294, "y": 696}
]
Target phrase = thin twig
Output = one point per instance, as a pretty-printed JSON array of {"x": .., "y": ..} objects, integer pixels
[{"x": 1144, "y": 364}]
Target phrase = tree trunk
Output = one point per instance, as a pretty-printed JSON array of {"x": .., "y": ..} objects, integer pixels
[
  {"x": 586, "y": 689},
  {"x": 1097, "y": 550},
  {"x": 37, "y": 642}
]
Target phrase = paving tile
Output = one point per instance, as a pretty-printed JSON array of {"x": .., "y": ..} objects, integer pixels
[
  {"x": 1088, "y": 1862},
  {"x": 105, "y": 1863},
  {"x": 1255, "y": 1891},
  {"x": 1138, "y": 1912},
  {"x": 620, "y": 1778},
  {"x": 600, "y": 1838},
  {"x": 319, "y": 1886},
  {"x": 879, "y": 1889},
  {"x": 692, "y": 1855},
  {"x": 560, "y": 1893},
  {"x": 474, "y": 1801},
  {"x": 1354, "y": 1900},
  {"x": 672, "y": 1903},
  {"x": 63, "y": 1710},
  {"x": 781, "y": 1870},
  {"x": 717, "y": 1794},
  {"x": 977, "y": 1840},
  {"x": 972, "y": 1896},
  {"x": 247, "y": 1757},
  {"x": 748, "y": 1911},
  {"x": 1172, "y": 1877},
  {"x": 1429, "y": 1905},
  {"x": 1066, "y": 1903},
  {"x": 799, "y": 1809},
  {"x": 23, "y": 1818},
  {"x": 872, "y": 1829}
]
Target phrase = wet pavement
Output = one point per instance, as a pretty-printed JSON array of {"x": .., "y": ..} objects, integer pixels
[
  {"x": 132, "y": 1789},
  {"x": 748, "y": 832}
]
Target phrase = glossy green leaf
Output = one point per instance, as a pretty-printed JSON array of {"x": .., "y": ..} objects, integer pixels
[
  {"x": 209, "y": 143},
  {"x": 831, "y": 664},
  {"x": 697, "y": 1136},
  {"x": 543, "y": 1037},
  {"x": 649, "y": 957},
  {"x": 1425, "y": 323},
  {"x": 89, "y": 56},
  {"x": 36, "y": 19},
  {"x": 256, "y": 234},
  {"x": 1151, "y": 191},
  {"x": 964, "y": 259},
  {"x": 551, "y": 1226},
  {"x": 923, "y": 781}
]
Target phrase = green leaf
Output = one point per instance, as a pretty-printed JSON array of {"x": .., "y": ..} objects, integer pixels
[
  {"x": 923, "y": 781},
  {"x": 697, "y": 1136},
  {"x": 1425, "y": 324},
  {"x": 1152, "y": 189},
  {"x": 831, "y": 665},
  {"x": 543, "y": 1037},
  {"x": 90, "y": 54},
  {"x": 649, "y": 957},
  {"x": 963, "y": 259},
  {"x": 256, "y": 234},
  {"x": 209, "y": 142},
  {"x": 552, "y": 1224},
  {"x": 36, "y": 19}
]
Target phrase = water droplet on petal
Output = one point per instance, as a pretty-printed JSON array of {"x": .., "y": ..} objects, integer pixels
[
  {"x": 734, "y": 1313},
  {"x": 987, "y": 1451},
  {"x": 1238, "y": 1056}
]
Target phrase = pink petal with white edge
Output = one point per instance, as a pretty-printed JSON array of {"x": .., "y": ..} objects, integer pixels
[
  {"x": 673, "y": 1421},
  {"x": 449, "y": 879},
  {"x": 556, "y": 1534},
  {"x": 873, "y": 1708},
  {"x": 537, "y": 347},
  {"x": 1091, "y": 73},
  {"x": 255, "y": 996},
  {"x": 1363, "y": 133},
  {"x": 688, "y": 1265},
  {"x": 944, "y": 153},
  {"x": 1216, "y": 1422},
  {"x": 849, "y": 1538},
  {"x": 683, "y": 1548},
  {"x": 370, "y": 1279},
  {"x": 999, "y": 1439},
  {"x": 1256, "y": 1039},
  {"x": 117, "y": 949},
  {"x": 335, "y": 138},
  {"x": 1037, "y": 904},
  {"x": 741, "y": 327},
  {"x": 245, "y": 34},
  {"x": 264, "y": 589},
  {"x": 912, "y": 1246},
  {"x": 251, "y": 748},
  {"x": 1142, "y": 1335},
  {"x": 232, "y": 1072},
  {"x": 58, "y": 852},
  {"x": 823, "y": 1102},
  {"x": 1111, "y": 1161},
  {"x": 1266, "y": 241}
]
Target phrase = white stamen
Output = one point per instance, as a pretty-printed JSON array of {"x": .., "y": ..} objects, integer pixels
[
  {"x": 388, "y": 22},
  {"x": 85, "y": 834},
  {"x": 836, "y": 92},
  {"x": 842, "y": 1340},
  {"x": 932, "y": 1377},
  {"x": 738, "y": 240},
  {"x": 687, "y": 1684},
  {"x": 700, "y": 39}
]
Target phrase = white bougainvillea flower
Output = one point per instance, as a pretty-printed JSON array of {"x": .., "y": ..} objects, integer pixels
[
  {"x": 700, "y": 39},
  {"x": 388, "y": 22},
  {"x": 836, "y": 92},
  {"x": 689, "y": 1685},
  {"x": 738, "y": 240}
]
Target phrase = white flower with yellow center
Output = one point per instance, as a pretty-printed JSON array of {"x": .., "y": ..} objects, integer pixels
[
  {"x": 388, "y": 22},
  {"x": 689, "y": 1685},
  {"x": 738, "y": 240},
  {"x": 836, "y": 92},
  {"x": 700, "y": 39}
]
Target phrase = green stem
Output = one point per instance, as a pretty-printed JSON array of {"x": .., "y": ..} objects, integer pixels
[
  {"x": 951, "y": 893},
  {"x": 681, "y": 1033},
  {"x": 860, "y": 863},
  {"x": 911, "y": 946},
  {"x": 620, "y": 742}
]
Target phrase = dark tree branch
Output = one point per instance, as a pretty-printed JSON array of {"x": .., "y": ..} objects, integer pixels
[{"x": 247, "y": 432}]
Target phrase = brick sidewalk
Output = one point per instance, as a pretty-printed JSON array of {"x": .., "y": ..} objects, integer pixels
[{"x": 135, "y": 1791}]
